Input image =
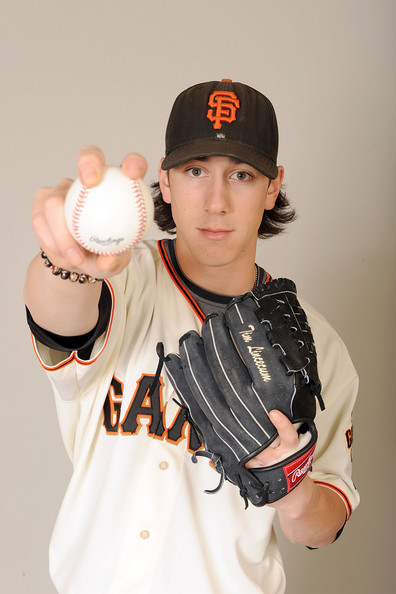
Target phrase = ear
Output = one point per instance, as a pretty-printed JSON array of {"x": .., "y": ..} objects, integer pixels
[
  {"x": 163, "y": 178},
  {"x": 274, "y": 189}
]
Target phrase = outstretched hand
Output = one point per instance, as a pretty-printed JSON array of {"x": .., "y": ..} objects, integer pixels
[{"x": 49, "y": 222}]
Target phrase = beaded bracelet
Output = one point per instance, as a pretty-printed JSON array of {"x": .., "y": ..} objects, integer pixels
[{"x": 73, "y": 277}]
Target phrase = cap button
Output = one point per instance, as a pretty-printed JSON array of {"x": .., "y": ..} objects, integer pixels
[{"x": 226, "y": 80}]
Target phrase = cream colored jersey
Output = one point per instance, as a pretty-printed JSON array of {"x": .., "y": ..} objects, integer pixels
[{"x": 135, "y": 518}]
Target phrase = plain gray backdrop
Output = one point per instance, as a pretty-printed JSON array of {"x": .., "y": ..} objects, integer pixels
[{"x": 106, "y": 73}]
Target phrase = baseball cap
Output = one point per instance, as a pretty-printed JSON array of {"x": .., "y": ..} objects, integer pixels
[{"x": 223, "y": 118}]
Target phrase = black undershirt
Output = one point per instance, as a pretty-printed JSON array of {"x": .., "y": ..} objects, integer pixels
[
  {"x": 83, "y": 343},
  {"x": 209, "y": 302}
]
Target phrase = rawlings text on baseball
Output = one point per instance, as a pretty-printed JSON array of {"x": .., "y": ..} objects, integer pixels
[{"x": 113, "y": 216}]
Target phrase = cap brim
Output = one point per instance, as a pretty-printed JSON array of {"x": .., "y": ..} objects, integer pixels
[{"x": 224, "y": 148}]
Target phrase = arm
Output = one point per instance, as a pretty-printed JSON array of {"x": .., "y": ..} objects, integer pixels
[
  {"x": 310, "y": 515},
  {"x": 57, "y": 305}
]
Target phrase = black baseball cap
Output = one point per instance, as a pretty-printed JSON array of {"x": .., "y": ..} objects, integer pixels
[{"x": 223, "y": 118}]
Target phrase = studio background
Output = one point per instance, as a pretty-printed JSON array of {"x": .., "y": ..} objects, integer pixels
[{"x": 106, "y": 73}]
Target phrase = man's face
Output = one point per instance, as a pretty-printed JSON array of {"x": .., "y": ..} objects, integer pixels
[{"x": 217, "y": 204}]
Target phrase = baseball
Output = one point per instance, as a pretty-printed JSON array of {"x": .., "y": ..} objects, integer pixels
[{"x": 111, "y": 217}]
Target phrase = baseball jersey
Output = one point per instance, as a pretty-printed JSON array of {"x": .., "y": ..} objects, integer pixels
[{"x": 135, "y": 518}]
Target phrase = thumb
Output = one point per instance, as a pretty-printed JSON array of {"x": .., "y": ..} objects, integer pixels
[{"x": 286, "y": 430}]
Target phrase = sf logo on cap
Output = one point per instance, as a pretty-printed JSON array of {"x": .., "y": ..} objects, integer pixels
[{"x": 224, "y": 105}]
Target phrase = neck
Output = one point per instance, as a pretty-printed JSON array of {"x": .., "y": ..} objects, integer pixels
[{"x": 228, "y": 279}]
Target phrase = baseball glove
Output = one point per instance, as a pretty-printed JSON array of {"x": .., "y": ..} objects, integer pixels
[{"x": 259, "y": 356}]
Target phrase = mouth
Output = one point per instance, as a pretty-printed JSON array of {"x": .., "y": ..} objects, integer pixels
[{"x": 215, "y": 234}]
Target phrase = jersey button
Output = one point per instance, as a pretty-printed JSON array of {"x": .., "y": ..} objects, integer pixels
[
  {"x": 163, "y": 465},
  {"x": 144, "y": 534}
]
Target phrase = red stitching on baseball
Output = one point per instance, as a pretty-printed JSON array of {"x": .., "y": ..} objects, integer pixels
[
  {"x": 142, "y": 212},
  {"x": 77, "y": 211}
]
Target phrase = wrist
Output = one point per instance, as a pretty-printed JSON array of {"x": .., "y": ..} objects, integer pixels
[
  {"x": 299, "y": 501},
  {"x": 73, "y": 276}
]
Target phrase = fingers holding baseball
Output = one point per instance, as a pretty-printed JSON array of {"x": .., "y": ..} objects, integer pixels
[
  {"x": 55, "y": 239},
  {"x": 134, "y": 166},
  {"x": 91, "y": 224},
  {"x": 49, "y": 225},
  {"x": 48, "y": 211},
  {"x": 90, "y": 163}
]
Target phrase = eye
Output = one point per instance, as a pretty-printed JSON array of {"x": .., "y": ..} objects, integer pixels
[
  {"x": 195, "y": 171},
  {"x": 242, "y": 176}
]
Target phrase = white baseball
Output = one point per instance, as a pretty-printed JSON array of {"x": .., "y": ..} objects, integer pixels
[{"x": 111, "y": 217}]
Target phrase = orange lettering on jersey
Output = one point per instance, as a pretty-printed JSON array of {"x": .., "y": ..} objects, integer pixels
[
  {"x": 349, "y": 437},
  {"x": 349, "y": 440},
  {"x": 112, "y": 407},
  {"x": 142, "y": 406},
  {"x": 224, "y": 105},
  {"x": 175, "y": 433}
]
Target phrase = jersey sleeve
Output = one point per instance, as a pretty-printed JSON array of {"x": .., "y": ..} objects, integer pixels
[
  {"x": 332, "y": 464},
  {"x": 83, "y": 344}
]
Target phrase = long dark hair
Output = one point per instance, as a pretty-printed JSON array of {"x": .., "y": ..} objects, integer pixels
[{"x": 274, "y": 221}]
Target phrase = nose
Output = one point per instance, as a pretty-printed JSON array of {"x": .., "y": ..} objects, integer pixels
[{"x": 217, "y": 200}]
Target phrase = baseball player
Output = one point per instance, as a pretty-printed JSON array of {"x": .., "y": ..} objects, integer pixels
[{"x": 136, "y": 517}]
